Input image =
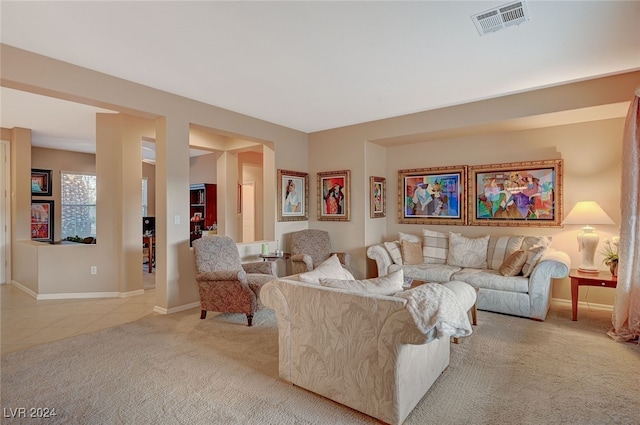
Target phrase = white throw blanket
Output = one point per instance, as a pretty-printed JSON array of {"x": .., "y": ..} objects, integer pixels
[{"x": 435, "y": 306}]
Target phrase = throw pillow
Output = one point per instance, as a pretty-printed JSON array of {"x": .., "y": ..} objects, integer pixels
[
  {"x": 531, "y": 241},
  {"x": 408, "y": 237},
  {"x": 467, "y": 252},
  {"x": 435, "y": 247},
  {"x": 411, "y": 252},
  {"x": 393, "y": 248},
  {"x": 512, "y": 266},
  {"x": 330, "y": 268},
  {"x": 500, "y": 248},
  {"x": 533, "y": 256},
  {"x": 385, "y": 285}
]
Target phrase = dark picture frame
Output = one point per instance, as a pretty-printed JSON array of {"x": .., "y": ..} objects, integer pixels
[
  {"x": 378, "y": 197},
  {"x": 435, "y": 195},
  {"x": 40, "y": 182},
  {"x": 516, "y": 194},
  {"x": 293, "y": 195},
  {"x": 42, "y": 221},
  {"x": 334, "y": 195}
]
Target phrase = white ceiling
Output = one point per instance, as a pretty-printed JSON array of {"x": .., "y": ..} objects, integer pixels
[{"x": 312, "y": 66}]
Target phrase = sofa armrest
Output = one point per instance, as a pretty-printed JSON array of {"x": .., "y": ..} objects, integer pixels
[
  {"x": 264, "y": 267},
  {"x": 273, "y": 297},
  {"x": 382, "y": 258},
  {"x": 553, "y": 265}
]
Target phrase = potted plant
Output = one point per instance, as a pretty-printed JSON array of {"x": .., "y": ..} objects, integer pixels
[{"x": 611, "y": 254}]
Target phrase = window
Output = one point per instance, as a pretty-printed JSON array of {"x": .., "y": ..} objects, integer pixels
[
  {"x": 78, "y": 204},
  {"x": 144, "y": 196}
]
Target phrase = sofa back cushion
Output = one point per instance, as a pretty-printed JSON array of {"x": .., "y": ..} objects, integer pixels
[
  {"x": 467, "y": 252},
  {"x": 435, "y": 247},
  {"x": 500, "y": 248}
]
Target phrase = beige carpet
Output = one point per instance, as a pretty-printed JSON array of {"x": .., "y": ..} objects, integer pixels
[{"x": 178, "y": 369}]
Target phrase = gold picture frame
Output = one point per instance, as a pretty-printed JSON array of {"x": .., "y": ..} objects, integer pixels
[
  {"x": 293, "y": 196},
  {"x": 334, "y": 195},
  {"x": 378, "y": 197},
  {"x": 516, "y": 194},
  {"x": 434, "y": 195}
]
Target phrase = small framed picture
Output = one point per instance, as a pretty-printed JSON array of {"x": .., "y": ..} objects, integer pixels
[
  {"x": 197, "y": 216},
  {"x": 40, "y": 182},
  {"x": 432, "y": 195},
  {"x": 378, "y": 196},
  {"x": 42, "y": 221},
  {"x": 334, "y": 195},
  {"x": 293, "y": 196}
]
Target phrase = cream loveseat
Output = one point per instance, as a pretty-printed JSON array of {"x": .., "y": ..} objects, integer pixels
[
  {"x": 512, "y": 273},
  {"x": 361, "y": 349}
]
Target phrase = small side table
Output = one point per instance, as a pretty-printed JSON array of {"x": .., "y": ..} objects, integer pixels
[
  {"x": 578, "y": 278},
  {"x": 272, "y": 256}
]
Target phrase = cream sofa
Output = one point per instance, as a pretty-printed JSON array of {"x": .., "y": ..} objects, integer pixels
[
  {"x": 363, "y": 350},
  {"x": 525, "y": 294}
]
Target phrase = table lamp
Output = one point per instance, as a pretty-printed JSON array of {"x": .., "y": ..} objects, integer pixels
[{"x": 587, "y": 213}]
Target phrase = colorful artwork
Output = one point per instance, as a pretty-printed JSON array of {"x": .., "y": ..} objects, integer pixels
[
  {"x": 515, "y": 193},
  {"x": 42, "y": 221},
  {"x": 293, "y": 189},
  {"x": 333, "y": 193},
  {"x": 432, "y": 195},
  {"x": 377, "y": 186}
]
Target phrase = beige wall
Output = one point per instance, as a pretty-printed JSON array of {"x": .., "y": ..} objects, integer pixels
[
  {"x": 487, "y": 132},
  {"x": 172, "y": 116}
]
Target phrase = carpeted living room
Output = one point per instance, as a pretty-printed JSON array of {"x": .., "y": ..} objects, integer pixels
[{"x": 386, "y": 126}]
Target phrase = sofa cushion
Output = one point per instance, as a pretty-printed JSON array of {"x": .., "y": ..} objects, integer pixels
[
  {"x": 411, "y": 252},
  {"x": 512, "y": 266},
  {"x": 533, "y": 256},
  {"x": 329, "y": 268},
  {"x": 492, "y": 279},
  {"x": 428, "y": 272},
  {"x": 435, "y": 247},
  {"x": 531, "y": 241},
  {"x": 500, "y": 248},
  {"x": 393, "y": 248},
  {"x": 385, "y": 285},
  {"x": 467, "y": 252}
]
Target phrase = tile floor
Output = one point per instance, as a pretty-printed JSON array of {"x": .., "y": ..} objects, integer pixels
[{"x": 26, "y": 322}]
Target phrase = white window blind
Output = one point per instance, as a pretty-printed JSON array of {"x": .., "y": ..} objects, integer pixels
[{"x": 78, "y": 204}]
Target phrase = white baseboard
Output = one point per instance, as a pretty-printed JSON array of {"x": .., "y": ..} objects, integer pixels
[
  {"x": 76, "y": 295},
  {"x": 162, "y": 310},
  {"x": 583, "y": 304}
]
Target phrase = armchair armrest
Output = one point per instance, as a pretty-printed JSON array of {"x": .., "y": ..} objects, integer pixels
[
  {"x": 301, "y": 263},
  {"x": 264, "y": 267},
  {"x": 223, "y": 275},
  {"x": 345, "y": 259}
]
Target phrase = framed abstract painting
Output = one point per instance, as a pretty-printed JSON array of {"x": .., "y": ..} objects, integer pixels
[
  {"x": 42, "y": 221},
  {"x": 377, "y": 196},
  {"x": 516, "y": 194},
  {"x": 432, "y": 195}
]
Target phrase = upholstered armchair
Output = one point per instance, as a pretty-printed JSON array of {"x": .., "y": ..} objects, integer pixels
[
  {"x": 310, "y": 247},
  {"x": 225, "y": 284}
]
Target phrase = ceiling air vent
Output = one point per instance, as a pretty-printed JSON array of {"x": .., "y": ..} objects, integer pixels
[{"x": 501, "y": 17}]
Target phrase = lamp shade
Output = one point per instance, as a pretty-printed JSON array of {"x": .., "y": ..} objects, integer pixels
[{"x": 587, "y": 213}]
